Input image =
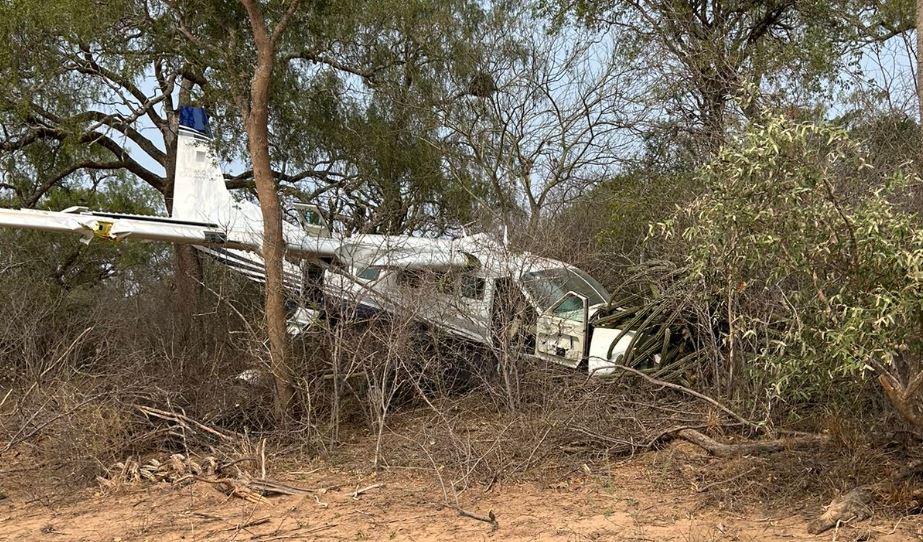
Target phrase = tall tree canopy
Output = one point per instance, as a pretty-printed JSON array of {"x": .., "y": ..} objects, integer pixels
[{"x": 718, "y": 59}]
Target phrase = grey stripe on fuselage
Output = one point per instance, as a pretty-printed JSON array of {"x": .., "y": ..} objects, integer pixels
[{"x": 248, "y": 267}]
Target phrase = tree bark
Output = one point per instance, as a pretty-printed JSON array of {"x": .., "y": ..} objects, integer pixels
[
  {"x": 919, "y": 70},
  {"x": 187, "y": 267},
  {"x": 904, "y": 398},
  {"x": 257, "y": 126}
]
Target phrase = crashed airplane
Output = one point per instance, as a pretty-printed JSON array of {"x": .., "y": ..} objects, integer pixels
[{"x": 475, "y": 284}]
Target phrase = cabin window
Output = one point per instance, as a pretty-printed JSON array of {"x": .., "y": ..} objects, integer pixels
[
  {"x": 472, "y": 287},
  {"x": 546, "y": 286},
  {"x": 571, "y": 307},
  {"x": 369, "y": 273},
  {"x": 309, "y": 216}
]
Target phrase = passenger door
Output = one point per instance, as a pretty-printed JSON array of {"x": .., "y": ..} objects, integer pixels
[
  {"x": 561, "y": 331},
  {"x": 468, "y": 308}
]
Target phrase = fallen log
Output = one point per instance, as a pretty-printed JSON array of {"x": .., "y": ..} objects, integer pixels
[{"x": 720, "y": 449}]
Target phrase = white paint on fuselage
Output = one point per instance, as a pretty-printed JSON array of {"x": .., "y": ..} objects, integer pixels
[{"x": 467, "y": 316}]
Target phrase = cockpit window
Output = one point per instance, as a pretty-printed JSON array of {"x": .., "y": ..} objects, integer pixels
[
  {"x": 547, "y": 286},
  {"x": 312, "y": 216}
]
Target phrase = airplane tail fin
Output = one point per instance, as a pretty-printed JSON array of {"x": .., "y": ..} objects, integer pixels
[{"x": 199, "y": 192}]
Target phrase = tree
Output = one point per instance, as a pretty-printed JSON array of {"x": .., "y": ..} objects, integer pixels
[
  {"x": 88, "y": 90},
  {"x": 255, "y": 111},
  {"x": 919, "y": 25},
  {"x": 713, "y": 54},
  {"x": 259, "y": 70},
  {"x": 559, "y": 116},
  {"x": 245, "y": 43},
  {"x": 391, "y": 129}
]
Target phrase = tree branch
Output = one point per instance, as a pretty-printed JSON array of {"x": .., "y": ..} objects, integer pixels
[
  {"x": 318, "y": 58},
  {"x": 51, "y": 181},
  {"x": 283, "y": 23}
]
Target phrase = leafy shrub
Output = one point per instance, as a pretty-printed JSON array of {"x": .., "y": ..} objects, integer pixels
[{"x": 818, "y": 272}]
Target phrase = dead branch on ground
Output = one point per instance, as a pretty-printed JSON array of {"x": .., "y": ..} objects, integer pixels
[
  {"x": 360, "y": 491},
  {"x": 856, "y": 504},
  {"x": 663, "y": 384},
  {"x": 184, "y": 422},
  {"x": 179, "y": 470},
  {"x": 490, "y": 518},
  {"x": 720, "y": 449}
]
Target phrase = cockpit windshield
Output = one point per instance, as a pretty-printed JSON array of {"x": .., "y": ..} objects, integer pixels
[{"x": 549, "y": 285}]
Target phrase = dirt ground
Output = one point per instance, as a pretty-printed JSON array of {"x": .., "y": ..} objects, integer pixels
[{"x": 626, "y": 501}]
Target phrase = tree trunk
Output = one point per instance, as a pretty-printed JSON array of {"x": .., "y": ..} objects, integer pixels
[
  {"x": 187, "y": 274},
  {"x": 257, "y": 125},
  {"x": 187, "y": 269},
  {"x": 904, "y": 398},
  {"x": 919, "y": 70},
  {"x": 714, "y": 102}
]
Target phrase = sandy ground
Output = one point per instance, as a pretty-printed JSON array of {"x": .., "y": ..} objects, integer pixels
[{"x": 621, "y": 505}]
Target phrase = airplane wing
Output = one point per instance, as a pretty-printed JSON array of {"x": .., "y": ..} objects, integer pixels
[
  {"x": 383, "y": 251},
  {"x": 115, "y": 227}
]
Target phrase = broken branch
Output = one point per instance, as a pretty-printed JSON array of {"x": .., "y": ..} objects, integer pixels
[
  {"x": 720, "y": 449},
  {"x": 490, "y": 518},
  {"x": 358, "y": 491},
  {"x": 693, "y": 393}
]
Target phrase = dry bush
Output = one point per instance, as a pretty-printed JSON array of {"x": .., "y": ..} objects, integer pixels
[
  {"x": 80, "y": 361},
  {"x": 563, "y": 421},
  {"x": 376, "y": 363}
]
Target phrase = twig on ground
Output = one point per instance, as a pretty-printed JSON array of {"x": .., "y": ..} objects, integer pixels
[
  {"x": 490, "y": 518},
  {"x": 358, "y": 491},
  {"x": 706, "y": 487},
  {"x": 209, "y": 517},
  {"x": 251, "y": 523},
  {"x": 299, "y": 535},
  {"x": 266, "y": 485}
]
